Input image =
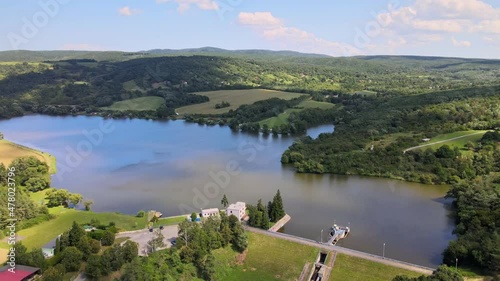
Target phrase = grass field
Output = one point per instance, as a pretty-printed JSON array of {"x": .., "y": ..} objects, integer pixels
[
  {"x": 366, "y": 93},
  {"x": 283, "y": 117},
  {"x": 10, "y": 151},
  {"x": 465, "y": 137},
  {"x": 351, "y": 268},
  {"x": 267, "y": 259},
  {"x": 236, "y": 98},
  {"x": 137, "y": 104},
  {"x": 39, "y": 235},
  {"x": 132, "y": 86}
]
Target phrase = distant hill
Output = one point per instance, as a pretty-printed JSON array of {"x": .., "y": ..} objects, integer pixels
[
  {"x": 218, "y": 51},
  {"x": 37, "y": 56},
  {"x": 55, "y": 55}
]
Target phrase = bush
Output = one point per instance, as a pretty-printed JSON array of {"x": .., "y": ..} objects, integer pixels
[
  {"x": 141, "y": 214},
  {"x": 108, "y": 238},
  {"x": 95, "y": 246}
]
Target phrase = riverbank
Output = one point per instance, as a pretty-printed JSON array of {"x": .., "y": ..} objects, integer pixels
[{"x": 10, "y": 151}]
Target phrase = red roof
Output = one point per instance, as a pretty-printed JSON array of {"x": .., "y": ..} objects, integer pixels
[{"x": 19, "y": 275}]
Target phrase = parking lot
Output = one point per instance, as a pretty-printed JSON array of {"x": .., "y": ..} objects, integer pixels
[{"x": 143, "y": 236}]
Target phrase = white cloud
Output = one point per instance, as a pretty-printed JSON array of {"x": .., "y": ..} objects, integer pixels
[
  {"x": 451, "y": 16},
  {"x": 259, "y": 18},
  {"x": 83, "y": 47},
  {"x": 184, "y": 5},
  {"x": 465, "y": 9},
  {"x": 430, "y": 21},
  {"x": 487, "y": 26},
  {"x": 440, "y": 25},
  {"x": 127, "y": 11},
  {"x": 275, "y": 29},
  {"x": 458, "y": 43}
]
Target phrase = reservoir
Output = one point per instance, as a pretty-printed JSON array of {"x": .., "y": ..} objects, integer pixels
[{"x": 177, "y": 167}]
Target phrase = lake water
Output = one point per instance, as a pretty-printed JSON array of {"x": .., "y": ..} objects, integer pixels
[{"x": 176, "y": 167}]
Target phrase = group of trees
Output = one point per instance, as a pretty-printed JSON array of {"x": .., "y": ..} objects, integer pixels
[
  {"x": 442, "y": 273},
  {"x": 261, "y": 216},
  {"x": 74, "y": 247},
  {"x": 477, "y": 203},
  {"x": 223, "y": 104},
  {"x": 31, "y": 175},
  {"x": 192, "y": 256}
]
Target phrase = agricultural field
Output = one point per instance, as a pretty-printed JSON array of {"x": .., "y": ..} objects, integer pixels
[
  {"x": 283, "y": 117},
  {"x": 236, "y": 98},
  {"x": 352, "y": 268},
  {"x": 267, "y": 258},
  {"x": 137, "y": 104},
  {"x": 10, "y": 151}
]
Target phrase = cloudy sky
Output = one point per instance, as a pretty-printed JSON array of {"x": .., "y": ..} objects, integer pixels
[{"x": 463, "y": 28}]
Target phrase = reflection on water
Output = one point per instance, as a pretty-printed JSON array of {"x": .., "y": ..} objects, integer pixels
[{"x": 175, "y": 166}]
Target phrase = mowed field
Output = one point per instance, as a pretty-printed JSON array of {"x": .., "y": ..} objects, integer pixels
[
  {"x": 456, "y": 139},
  {"x": 283, "y": 117},
  {"x": 137, "y": 104},
  {"x": 352, "y": 268},
  {"x": 267, "y": 258},
  {"x": 236, "y": 98},
  {"x": 10, "y": 151}
]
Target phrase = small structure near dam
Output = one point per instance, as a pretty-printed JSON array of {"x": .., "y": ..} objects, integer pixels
[{"x": 338, "y": 232}]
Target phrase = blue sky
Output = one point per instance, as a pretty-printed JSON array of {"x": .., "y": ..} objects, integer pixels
[{"x": 464, "y": 28}]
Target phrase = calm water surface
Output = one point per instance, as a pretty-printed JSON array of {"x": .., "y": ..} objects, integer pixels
[{"x": 175, "y": 167}]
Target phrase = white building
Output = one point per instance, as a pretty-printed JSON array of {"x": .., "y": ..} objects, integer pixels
[
  {"x": 238, "y": 210},
  {"x": 206, "y": 213}
]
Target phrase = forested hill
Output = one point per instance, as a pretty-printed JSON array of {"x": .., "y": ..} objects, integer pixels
[
  {"x": 70, "y": 82},
  {"x": 39, "y": 56}
]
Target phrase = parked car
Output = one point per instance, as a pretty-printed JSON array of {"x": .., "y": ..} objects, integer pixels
[
  {"x": 161, "y": 227},
  {"x": 151, "y": 229},
  {"x": 174, "y": 242}
]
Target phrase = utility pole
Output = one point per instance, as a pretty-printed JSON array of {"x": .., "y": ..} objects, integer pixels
[
  {"x": 383, "y": 251},
  {"x": 322, "y": 236},
  {"x": 456, "y": 264}
]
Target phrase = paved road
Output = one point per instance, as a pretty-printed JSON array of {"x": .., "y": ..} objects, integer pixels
[
  {"x": 438, "y": 142},
  {"x": 143, "y": 236},
  {"x": 345, "y": 251}
]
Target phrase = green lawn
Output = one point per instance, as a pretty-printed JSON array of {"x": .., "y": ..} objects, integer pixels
[
  {"x": 138, "y": 104},
  {"x": 283, "y": 117},
  {"x": 366, "y": 93},
  {"x": 466, "y": 136},
  {"x": 267, "y": 259},
  {"x": 132, "y": 86},
  {"x": 236, "y": 98},
  {"x": 39, "y": 235},
  {"x": 169, "y": 221},
  {"x": 351, "y": 268}
]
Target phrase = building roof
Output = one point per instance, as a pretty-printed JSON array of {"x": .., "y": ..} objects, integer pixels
[
  {"x": 21, "y": 272},
  {"x": 212, "y": 210},
  {"x": 238, "y": 205}
]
